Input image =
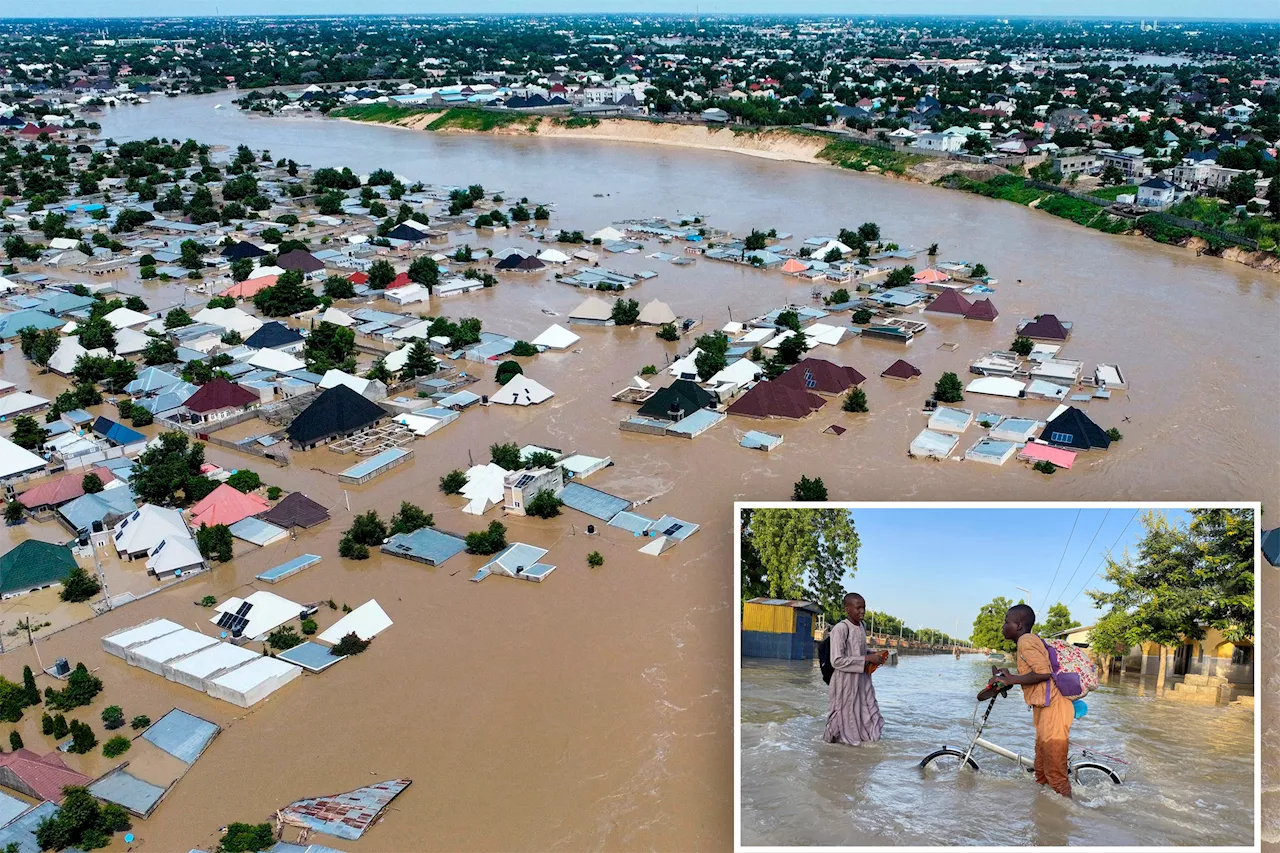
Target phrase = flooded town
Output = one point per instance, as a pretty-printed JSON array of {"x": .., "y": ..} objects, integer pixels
[{"x": 289, "y": 401}]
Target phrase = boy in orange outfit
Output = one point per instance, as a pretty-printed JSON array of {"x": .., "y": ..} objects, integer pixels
[{"x": 1051, "y": 712}]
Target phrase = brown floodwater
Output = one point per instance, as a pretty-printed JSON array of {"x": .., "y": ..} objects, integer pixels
[{"x": 594, "y": 711}]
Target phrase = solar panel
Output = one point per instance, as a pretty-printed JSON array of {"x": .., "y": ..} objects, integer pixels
[
  {"x": 244, "y": 609},
  {"x": 524, "y": 481},
  {"x": 809, "y": 381},
  {"x": 673, "y": 529}
]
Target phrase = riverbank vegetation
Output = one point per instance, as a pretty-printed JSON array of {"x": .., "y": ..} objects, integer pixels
[{"x": 848, "y": 154}]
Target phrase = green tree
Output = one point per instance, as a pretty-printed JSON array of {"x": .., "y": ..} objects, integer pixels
[
  {"x": 668, "y": 332},
  {"x": 330, "y": 346},
  {"x": 791, "y": 350},
  {"x": 116, "y": 746},
  {"x": 27, "y": 433},
  {"x": 215, "y": 543},
  {"x": 491, "y": 540},
  {"x": 245, "y": 481},
  {"x": 29, "y": 686},
  {"x": 97, "y": 333},
  {"x": 350, "y": 644},
  {"x": 120, "y": 372},
  {"x": 159, "y": 351},
  {"x": 452, "y": 483},
  {"x": 978, "y": 271},
  {"x": 855, "y": 400},
  {"x": 507, "y": 370},
  {"x": 544, "y": 504},
  {"x": 625, "y": 312},
  {"x": 1059, "y": 620},
  {"x": 367, "y": 529},
  {"x": 1241, "y": 189},
  {"x": 14, "y": 512},
  {"x": 289, "y": 295},
  {"x": 988, "y": 627},
  {"x": 418, "y": 361},
  {"x": 176, "y": 318},
  {"x": 803, "y": 554},
  {"x": 112, "y": 717},
  {"x": 339, "y": 287},
  {"x": 1022, "y": 345},
  {"x": 809, "y": 490},
  {"x": 284, "y": 638},
  {"x": 381, "y": 274},
  {"x": 868, "y": 232},
  {"x": 13, "y": 698},
  {"x": 82, "y": 822},
  {"x": 91, "y": 484},
  {"x": 141, "y": 721},
  {"x": 594, "y": 560},
  {"x": 241, "y": 269},
  {"x": 410, "y": 518},
  {"x": 948, "y": 389},
  {"x": 166, "y": 473},
  {"x": 60, "y": 727},
  {"x": 83, "y": 740},
  {"x": 247, "y": 838},
  {"x": 712, "y": 356},
  {"x": 1111, "y": 175},
  {"x": 15, "y": 740},
  {"x": 424, "y": 271},
  {"x": 523, "y": 349},
  {"x": 79, "y": 585},
  {"x": 38, "y": 346},
  {"x": 506, "y": 456}
]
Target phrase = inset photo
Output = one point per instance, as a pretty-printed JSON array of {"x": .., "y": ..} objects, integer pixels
[{"x": 996, "y": 675}]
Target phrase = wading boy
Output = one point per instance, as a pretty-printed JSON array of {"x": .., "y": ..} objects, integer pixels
[
  {"x": 853, "y": 716},
  {"x": 1051, "y": 712}
]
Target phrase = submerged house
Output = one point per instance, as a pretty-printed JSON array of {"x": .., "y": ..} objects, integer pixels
[
  {"x": 678, "y": 400},
  {"x": 821, "y": 376},
  {"x": 1073, "y": 429},
  {"x": 1046, "y": 327},
  {"x": 776, "y": 400},
  {"x": 337, "y": 413},
  {"x": 778, "y": 628},
  {"x": 34, "y": 565},
  {"x": 218, "y": 399}
]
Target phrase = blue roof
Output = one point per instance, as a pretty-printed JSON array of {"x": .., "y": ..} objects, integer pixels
[
  {"x": 169, "y": 399},
  {"x": 373, "y": 463},
  {"x": 459, "y": 398},
  {"x": 286, "y": 847},
  {"x": 11, "y": 324},
  {"x": 255, "y": 530},
  {"x": 631, "y": 521},
  {"x": 124, "y": 789},
  {"x": 64, "y": 303},
  {"x": 673, "y": 527},
  {"x": 22, "y": 831},
  {"x": 593, "y": 502},
  {"x": 82, "y": 512},
  {"x": 698, "y": 422},
  {"x": 115, "y": 433},
  {"x": 151, "y": 379},
  {"x": 312, "y": 657},
  {"x": 78, "y": 417},
  {"x": 756, "y": 439},
  {"x": 182, "y": 735},
  {"x": 425, "y": 544},
  {"x": 20, "y": 301},
  {"x": 10, "y": 807},
  {"x": 294, "y": 566}
]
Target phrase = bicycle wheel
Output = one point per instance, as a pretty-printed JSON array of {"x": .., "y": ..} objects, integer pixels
[
  {"x": 946, "y": 759},
  {"x": 1092, "y": 773}
]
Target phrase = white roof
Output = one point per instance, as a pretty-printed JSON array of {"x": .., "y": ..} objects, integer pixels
[
  {"x": 416, "y": 330},
  {"x": 181, "y": 642},
  {"x": 823, "y": 333},
  {"x": 244, "y": 678},
  {"x": 409, "y": 293},
  {"x": 503, "y": 254},
  {"x": 592, "y": 308},
  {"x": 204, "y": 663},
  {"x": 63, "y": 243},
  {"x": 263, "y": 272},
  {"x": 657, "y": 313},
  {"x": 740, "y": 372},
  {"x": 786, "y": 333},
  {"x": 585, "y": 255},
  {"x": 123, "y": 318},
  {"x": 130, "y": 341},
  {"x": 607, "y": 235},
  {"x": 19, "y": 401},
  {"x": 395, "y": 361},
  {"x": 337, "y": 377},
  {"x": 640, "y": 383},
  {"x": 366, "y": 622},
  {"x": 144, "y": 633},
  {"x": 732, "y": 328},
  {"x": 337, "y": 317},
  {"x": 580, "y": 462},
  {"x": 174, "y": 552},
  {"x": 419, "y": 424},
  {"x": 484, "y": 488},
  {"x": 146, "y": 527},
  {"x": 556, "y": 337},
  {"x": 65, "y": 356},
  {"x": 686, "y": 365},
  {"x": 833, "y": 244},
  {"x": 231, "y": 319},
  {"x": 999, "y": 386},
  {"x": 554, "y": 256},
  {"x": 521, "y": 391},
  {"x": 756, "y": 336},
  {"x": 277, "y": 360},
  {"x": 269, "y": 611},
  {"x": 1107, "y": 374}
]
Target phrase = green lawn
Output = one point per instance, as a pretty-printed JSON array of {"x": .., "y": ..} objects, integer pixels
[
  {"x": 465, "y": 118},
  {"x": 380, "y": 112},
  {"x": 854, "y": 155}
]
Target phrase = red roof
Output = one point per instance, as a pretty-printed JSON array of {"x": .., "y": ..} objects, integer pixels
[
  {"x": 402, "y": 280},
  {"x": 825, "y": 377},
  {"x": 46, "y": 775},
  {"x": 901, "y": 370},
  {"x": 358, "y": 278},
  {"x": 983, "y": 309},
  {"x": 226, "y": 505},
  {"x": 775, "y": 400},
  {"x": 219, "y": 393},
  {"x": 59, "y": 491},
  {"x": 950, "y": 302}
]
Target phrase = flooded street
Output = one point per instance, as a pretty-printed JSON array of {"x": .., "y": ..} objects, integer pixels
[
  {"x": 594, "y": 711},
  {"x": 1189, "y": 782}
]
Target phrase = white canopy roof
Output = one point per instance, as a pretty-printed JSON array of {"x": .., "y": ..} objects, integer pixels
[
  {"x": 130, "y": 341},
  {"x": 556, "y": 337},
  {"x": 274, "y": 359},
  {"x": 607, "y": 235},
  {"x": 146, "y": 527},
  {"x": 123, "y": 318},
  {"x": 554, "y": 256},
  {"x": 19, "y": 401},
  {"x": 267, "y": 612},
  {"x": 396, "y": 360},
  {"x": 999, "y": 386},
  {"x": 685, "y": 366},
  {"x": 521, "y": 391},
  {"x": 231, "y": 319},
  {"x": 823, "y": 333},
  {"x": 756, "y": 336},
  {"x": 740, "y": 372},
  {"x": 17, "y": 460},
  {"x": 337, "y": 317},
  {"x": 366, "y": 622},
  {"x": 656, "y": 313},
  {"x": 173, "y": 553},
  {"x": 484, "y": 488},
  {"x": 592, "y": 308}
]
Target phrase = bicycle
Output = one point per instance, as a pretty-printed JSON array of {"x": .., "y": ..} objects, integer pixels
[{"x": 1086, "y": 766}]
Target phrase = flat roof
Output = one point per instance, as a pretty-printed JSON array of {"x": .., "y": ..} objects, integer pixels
[
  {"x": 252, "y": 674},
  {"x": 701, "y": 420},
  {"x": 426, "y": 543},
  {"x": 204, "y": 663},
  {"x": 125, "y": 789},
  {"x": 10, "y": 807},
  {"x": 170, "y": 646},
  {"x": 373, "y": 463},
  {"x": 283, "y": 570},
  {"x": 182, "y": 735},
  {"x": 143, "y": 633},
  {"x": 256, "y": 531},
  {"x": 593, "y": 502},
  {"x": 312, "y": 657},
  {"x": 631, "y": 521}
]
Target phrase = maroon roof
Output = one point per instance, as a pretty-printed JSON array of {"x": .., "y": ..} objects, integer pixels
[
  {"x": 296, "y": 510},
  {"x": 1047, "y": 328},
  {"x": 219, "y": 394},
  {"x": 901, "y": 370},
  {"x": 950, "y": 302},
  {"x": 817, "y": 374},
  {"x": 300, "y": 261},
  {"x": 835, "y": 429},
  {"x": 983, "y": 309},
  {"x": 775, "y": 400},
  {"x": 45, "y": 775}
]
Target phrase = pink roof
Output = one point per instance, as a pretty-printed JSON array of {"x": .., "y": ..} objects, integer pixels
[
  {"x": 47, "y": 775},
  {"x": 59, "y": 491},
  {"x": 1045, "y": 453},
  {"x": 794, "y": 265},
  {"x": 929, "y": 276},
  {"x": 226, "y": 505},
  {"x": 250, "y": 287}
]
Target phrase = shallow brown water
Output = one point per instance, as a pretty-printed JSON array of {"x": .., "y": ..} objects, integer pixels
[{"x": 593, "y": 711}]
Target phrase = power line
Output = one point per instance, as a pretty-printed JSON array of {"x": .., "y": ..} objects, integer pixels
[
  {"x": 1109, "y": 550},
  {"x": 1086, "y": 551},
  {"x": 1060, "y": 559}
]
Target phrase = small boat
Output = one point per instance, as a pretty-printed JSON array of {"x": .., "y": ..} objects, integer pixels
[{"x": 550, "y": 313}]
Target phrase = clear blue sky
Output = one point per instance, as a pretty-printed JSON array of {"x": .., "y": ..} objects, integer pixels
[
  {"x": 1163, "y": 9},
  {"x": 936, "y": 566}
]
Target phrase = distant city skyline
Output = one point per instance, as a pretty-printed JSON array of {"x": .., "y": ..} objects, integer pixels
[{"x": 1254, "y": 10}]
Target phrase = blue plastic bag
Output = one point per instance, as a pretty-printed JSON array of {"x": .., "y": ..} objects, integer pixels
[{"x": 1081, "y": 707}]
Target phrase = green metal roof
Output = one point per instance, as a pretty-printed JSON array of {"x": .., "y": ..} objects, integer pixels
[{"x": 33, "y": 564}]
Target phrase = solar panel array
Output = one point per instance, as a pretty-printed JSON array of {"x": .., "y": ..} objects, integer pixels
[{"x": 236, "y": 622}]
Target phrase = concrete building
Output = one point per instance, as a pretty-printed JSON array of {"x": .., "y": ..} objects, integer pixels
[
  {"x": 1070, "y": 162},
  {"x": 519, "y": 487}
]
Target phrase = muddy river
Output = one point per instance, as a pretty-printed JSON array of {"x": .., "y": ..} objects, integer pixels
[
  {"x": 1188, "y": 778},
  {"x": 593, "y": 711}
]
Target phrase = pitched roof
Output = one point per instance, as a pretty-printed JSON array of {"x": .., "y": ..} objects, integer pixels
[
  {"x": 1073, "y": 428},
  {"x": 774, "y": 400},
  {"x": 983, "y": 309},
  {"x": 219, "y": 393},
  {"x": 250, "y": 287},
  {"x": 61, "y": 490},
  {"x": 226, "y": 505},
  {"x": 950, "y": 302},
  {"x": 406, "y": 233},
  {"x": 901, "y": 369},
  {"x": 300, "y": 261},
  {"x": 518, "y": 262},
  {"x": 296, "y": 510},
  {"x": 47, "y": 775},
  {"x": 1048, "y": 327},
  {"x": 242, "y": 249},
  {"x": 682, "y": 394},
  {"x": 818, "y": 374},
  {"x": 33, "y": 563},
  {"x": 592, "y": 308},
  {"x": 273, "y": 334},
  {"x": 338, "y": 410}
]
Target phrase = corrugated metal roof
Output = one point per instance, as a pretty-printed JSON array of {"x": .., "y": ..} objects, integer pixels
[
  {"x": 593, "y": 502},
  {"x": 182, "y": 735},
  {"x": 124, "y": 789}
]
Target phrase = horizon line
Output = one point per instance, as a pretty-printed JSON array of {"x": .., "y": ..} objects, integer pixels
[{"x": 653, "y": 14}]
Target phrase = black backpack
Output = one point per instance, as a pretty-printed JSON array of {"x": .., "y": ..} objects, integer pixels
[{"x": 824, "y": 659}]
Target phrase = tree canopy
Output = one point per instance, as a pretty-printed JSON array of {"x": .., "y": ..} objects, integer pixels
[{"x": 802, "y": 554}]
